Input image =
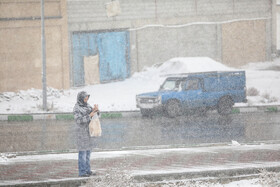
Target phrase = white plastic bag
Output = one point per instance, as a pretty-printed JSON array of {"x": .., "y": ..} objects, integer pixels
[{"x": 95, "y": 127}]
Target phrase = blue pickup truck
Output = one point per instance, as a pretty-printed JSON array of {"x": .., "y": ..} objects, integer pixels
[{"x": 207, "y": 90}]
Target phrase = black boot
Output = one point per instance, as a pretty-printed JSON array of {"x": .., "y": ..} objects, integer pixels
[{"x": 91, "y": 173}]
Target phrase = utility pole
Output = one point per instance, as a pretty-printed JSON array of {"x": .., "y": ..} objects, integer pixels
[{"x": 44, "y": 81}]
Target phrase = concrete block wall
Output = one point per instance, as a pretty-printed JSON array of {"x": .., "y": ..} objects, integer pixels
[
  {"x": 81, "y": 11},
  {"x": 161, "y": 44},
  {"x": 157, "y": 44},
  {"x": 20, "y": 45},
  {"x": 244, "y": 41}
]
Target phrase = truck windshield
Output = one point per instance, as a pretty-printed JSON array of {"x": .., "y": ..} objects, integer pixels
[{"x": 171, "y": 85}]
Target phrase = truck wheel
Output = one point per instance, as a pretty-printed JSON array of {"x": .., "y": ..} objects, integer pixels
[
  {"x": 145, "y": 112},
  {"x": 225, "y": 105},
  {"x": 173, "y": 108},
  {"x": 201, "y": 111}
]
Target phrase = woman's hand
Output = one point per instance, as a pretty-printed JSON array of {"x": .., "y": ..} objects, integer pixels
[
  {"x": 92, "y": 114},
  {"x": 95, "y": 109}
]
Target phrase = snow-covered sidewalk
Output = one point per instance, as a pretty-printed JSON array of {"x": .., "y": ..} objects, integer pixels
[
  {"x": 149, "y": 165},
  {"x": 263, "y": 80}
]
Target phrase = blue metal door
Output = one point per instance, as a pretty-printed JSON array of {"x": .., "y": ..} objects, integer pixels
[
  {"x": 113, "y": 56},
  {"x": 77, "y": 67},
  {"x": 113, "y": 51}
]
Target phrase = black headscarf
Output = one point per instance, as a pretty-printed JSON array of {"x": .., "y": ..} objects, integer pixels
[{"x": 80, "y": 98}]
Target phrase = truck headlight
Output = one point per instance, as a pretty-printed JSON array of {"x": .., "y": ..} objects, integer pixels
[{"x": 159, "y": 99}]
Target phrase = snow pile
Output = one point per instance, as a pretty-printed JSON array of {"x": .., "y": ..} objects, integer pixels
[
  {"x": 31, "y": 94},
  {"x": 117, "y": 178},
  {"x": 190, "y": 65},
  {"x": 120, "y": 96},
  {"x": 269, "y": 178},
  {"x": 27, "y": 101},
  {"x": 4, "y": 157},
  {"x": 180, "y": 65},
  {"x": 112, "y": 178},
  {"x": 264, "y": 79},
  {"x": 234, "y": 143}
]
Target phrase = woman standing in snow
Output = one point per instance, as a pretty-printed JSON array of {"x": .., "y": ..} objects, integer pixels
[{"x": 83, "y": 113}]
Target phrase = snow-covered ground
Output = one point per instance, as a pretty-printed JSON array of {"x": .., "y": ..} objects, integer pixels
[
  {"x": 113, "y": 179},
  {"x": 263, "y": 80}
]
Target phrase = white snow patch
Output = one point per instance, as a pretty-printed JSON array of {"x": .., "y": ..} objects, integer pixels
[
  {"x": 148, "y": 153},
  {"x": 252, "y": 182},
  {"x": 225, "y": 166},
  {"x": 234, "y": 143}
]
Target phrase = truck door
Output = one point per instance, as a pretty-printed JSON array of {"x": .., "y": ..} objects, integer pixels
[{"x": 192, "y": 93}]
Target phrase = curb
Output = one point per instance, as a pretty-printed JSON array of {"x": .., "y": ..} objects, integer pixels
[
  {"x": 70, "y": 182},
  {"x": 64, "y": 116},
  {"x": 24, "y": 153},
  {"x": 223, "y": 174},
  {"x": 269, "y": 108},
  {"x": 119, "y": 114}
]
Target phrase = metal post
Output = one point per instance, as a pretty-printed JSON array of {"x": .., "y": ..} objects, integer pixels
[{"x": 44, "y": 81}]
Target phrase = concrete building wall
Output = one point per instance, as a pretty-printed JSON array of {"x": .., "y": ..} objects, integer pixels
[
  {"x": 276, "y": 26},
  {"x": 88, "y": 11},
  {"x": 153, "y": 41},
  {"x": 20, "y": 44},
  {"x": 161, "y": 44},
  {"x": 244, "y": 41}
]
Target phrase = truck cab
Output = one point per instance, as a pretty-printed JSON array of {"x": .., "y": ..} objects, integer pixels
[{"x": 206, "y": 90}]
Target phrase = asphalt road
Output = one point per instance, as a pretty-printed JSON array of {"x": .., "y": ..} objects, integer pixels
[{"x": 134, "y": 132}]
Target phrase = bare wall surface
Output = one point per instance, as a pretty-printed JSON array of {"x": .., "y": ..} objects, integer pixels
[
  {"x": 25, "y": 9},
  {"x": 244, "y": 41},
  {"x": 20, "y": 44},
  {"x": 131, "y": 10},
  {"x": 21, "y": 48},
  {"x": 157, "y": 45}
]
